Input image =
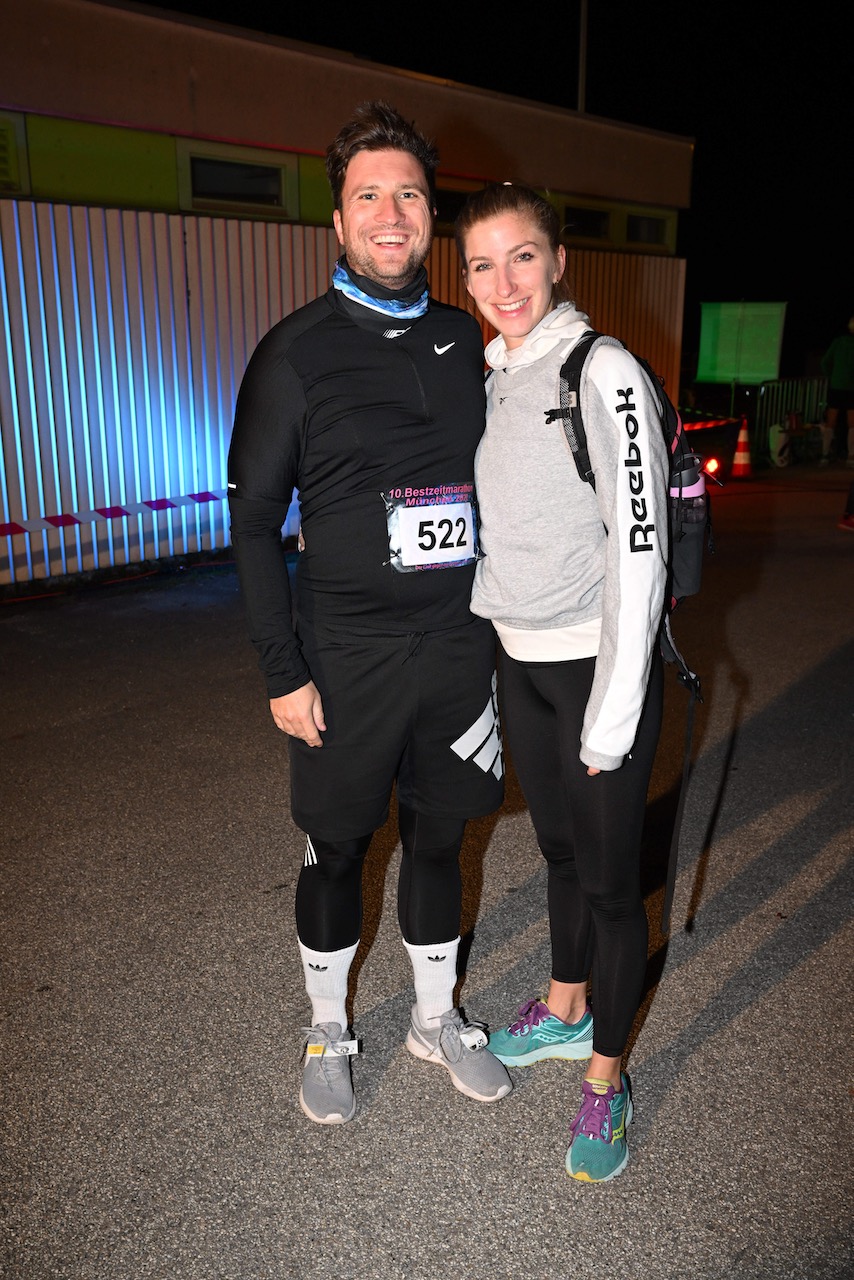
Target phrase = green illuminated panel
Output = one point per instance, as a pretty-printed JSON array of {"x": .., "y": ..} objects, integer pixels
[
  {"x": 315, "y": 198},
  {"x": 98, "y": 164},
  {"x": 740, "y": 341}
]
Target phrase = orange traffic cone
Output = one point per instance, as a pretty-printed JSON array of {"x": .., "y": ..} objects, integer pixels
[{"x": 741, "y": 468}]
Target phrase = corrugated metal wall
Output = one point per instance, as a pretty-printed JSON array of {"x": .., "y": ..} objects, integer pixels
[
  {"x": 123, "y": 339},
  {"x": 639, "y": 299}
]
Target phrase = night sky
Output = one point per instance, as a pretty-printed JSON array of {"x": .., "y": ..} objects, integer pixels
[{"x": 764, "y": 92}]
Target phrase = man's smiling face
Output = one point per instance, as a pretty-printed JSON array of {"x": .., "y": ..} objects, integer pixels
[{"x": 385, "y": 223}]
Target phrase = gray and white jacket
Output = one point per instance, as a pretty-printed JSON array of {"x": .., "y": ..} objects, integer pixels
[{"x": 569, "y": 571}]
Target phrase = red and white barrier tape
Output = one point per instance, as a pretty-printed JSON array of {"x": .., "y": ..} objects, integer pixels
[{"x": 66, "y": 520}]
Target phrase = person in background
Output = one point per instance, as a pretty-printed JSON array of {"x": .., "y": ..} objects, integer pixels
[
  {"x": 573, "y": 579},
  {"x": 846, "y": 520},
  {"x": 837, "y": 365},
  {"x": 370, "y": 402}
]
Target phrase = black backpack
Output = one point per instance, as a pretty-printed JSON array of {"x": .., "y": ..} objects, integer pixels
[{"x": 690, "y": 533}]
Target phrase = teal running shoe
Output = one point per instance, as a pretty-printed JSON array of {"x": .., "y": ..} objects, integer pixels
[
  {"x": 538, "y": 1034},
  {"x": 598, "y": 1150}
]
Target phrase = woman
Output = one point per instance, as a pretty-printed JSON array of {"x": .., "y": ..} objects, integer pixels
[{"x": 576, "y": 599}]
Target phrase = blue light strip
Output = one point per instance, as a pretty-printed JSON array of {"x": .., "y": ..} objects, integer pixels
[
  {"x": 117, "y": 441},
  {"x": 28, "y": 364},
  {"x": 182, "y": 434},
  {"x": 146, "y": 447},
  {"x": 88, "y": 477},
  {"x": 63, "y": 388},
  {"x": 99, "y": 390},
  {"x": 191, "y": 393},
  {"x": 203, "y": 380},
  {"x": 130, "y": 443},
  {"x": 215, "y": 346},
  {"x": 164, "y": 420},
  {"x": 16, "y": 422},
  {"x": 47, "y": 442}
]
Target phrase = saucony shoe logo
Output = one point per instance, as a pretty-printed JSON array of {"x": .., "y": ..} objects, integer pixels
[{"x": 440, "y": 351}]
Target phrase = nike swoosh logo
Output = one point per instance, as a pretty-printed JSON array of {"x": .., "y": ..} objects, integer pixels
[{"x": 440, "y": 351}]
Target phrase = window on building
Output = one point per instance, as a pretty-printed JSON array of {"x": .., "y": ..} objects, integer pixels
[
  {"x": 592, "y": 224},
  {"x": 242, "y": 183},
  {"x": 215, "y": 177},
  {"x": 645, "y": 230}
]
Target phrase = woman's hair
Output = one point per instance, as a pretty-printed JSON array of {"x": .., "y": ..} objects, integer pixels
[
  {"x": 376, "y": 126},
  {"x": 507, "y": 197}
]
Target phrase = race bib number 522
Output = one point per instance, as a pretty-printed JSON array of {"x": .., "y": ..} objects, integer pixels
[{"x": 431, "y": 527}]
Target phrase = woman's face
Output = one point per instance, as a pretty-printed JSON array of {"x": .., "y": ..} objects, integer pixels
[{"x": 511, "y": 271}]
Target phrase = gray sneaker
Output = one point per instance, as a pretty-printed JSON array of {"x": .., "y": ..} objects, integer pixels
[
  {"x": 326, "y": 1095},
  {"x": 460, "y": 1047}
]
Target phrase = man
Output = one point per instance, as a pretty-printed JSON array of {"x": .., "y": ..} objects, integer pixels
[
  {"x": 370, "y": 402},
  {"x": 837, "y": 365}
]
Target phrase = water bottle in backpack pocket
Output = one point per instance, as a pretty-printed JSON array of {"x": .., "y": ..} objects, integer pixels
[{"x": 690, "y": 527}]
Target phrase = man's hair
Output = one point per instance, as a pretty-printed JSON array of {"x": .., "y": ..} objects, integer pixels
[
  {"x": 377, "y": 126},
  {"x": 508, "y": 197}
]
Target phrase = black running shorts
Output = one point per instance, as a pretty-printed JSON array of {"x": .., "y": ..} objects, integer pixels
[{"x": 418, "y": 710}]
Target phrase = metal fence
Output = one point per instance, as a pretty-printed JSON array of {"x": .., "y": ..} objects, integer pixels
[{"x": 777, "y": 401}]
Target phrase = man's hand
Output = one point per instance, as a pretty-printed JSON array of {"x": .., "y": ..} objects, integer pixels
[{"x": 300, "y": 714}]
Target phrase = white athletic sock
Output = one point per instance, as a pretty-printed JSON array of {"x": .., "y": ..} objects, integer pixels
[
  {"x": 326, "y": 975},
  {"x": 435, "y": 971}
]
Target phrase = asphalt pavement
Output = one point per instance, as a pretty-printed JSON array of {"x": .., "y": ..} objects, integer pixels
[{"x": 153, "y": 999}]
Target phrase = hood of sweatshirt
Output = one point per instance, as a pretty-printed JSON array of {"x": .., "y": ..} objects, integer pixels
[{"x": 564, "y": 325}]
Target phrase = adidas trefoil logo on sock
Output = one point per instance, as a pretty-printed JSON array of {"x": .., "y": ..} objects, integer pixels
[
  {"x": 435, "y": 958},
  {"x": 318, "y": 968}
]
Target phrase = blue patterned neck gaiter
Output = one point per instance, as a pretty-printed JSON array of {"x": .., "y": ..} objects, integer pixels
[{"x": 399, "y": 307}]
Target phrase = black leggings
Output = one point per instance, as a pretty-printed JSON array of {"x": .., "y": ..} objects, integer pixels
[
  {"x": 589, "y": 831},
  {"x": 429, "y": 892}
]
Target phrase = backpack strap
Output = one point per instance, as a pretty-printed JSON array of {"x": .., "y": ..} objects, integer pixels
[
  {"x": 570, "y": 406},
  {"x": 691, "y": 681},
  {"x": 673, "y": 855},
  {"x": 669, "y": 413}
]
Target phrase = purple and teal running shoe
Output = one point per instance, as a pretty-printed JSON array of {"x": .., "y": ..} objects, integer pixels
[
  {"x": 538, "y": 1034},
  {"x": 598, "y": 1150}
]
